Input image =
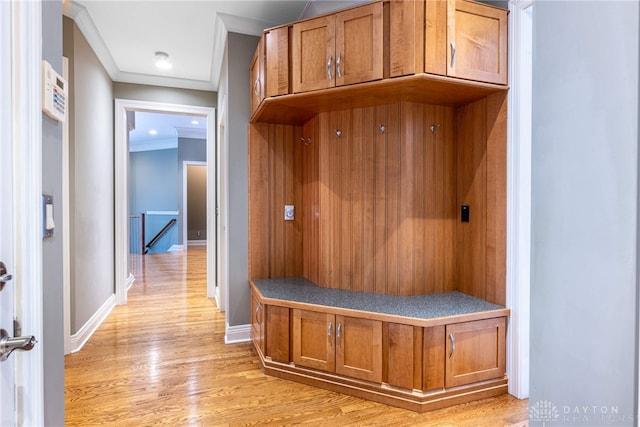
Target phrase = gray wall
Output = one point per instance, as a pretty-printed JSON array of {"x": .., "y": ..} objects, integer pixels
[
  {"x": 233, "y": 83},
  {"x": 91, "y": 179},
  {"x": 584, "y": 211},
  {"x": 167, "y": 95},
  {"x": 53, "y": 339}
]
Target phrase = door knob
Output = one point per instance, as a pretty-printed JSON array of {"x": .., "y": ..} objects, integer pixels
[
  {"x": 7, "y": 345},
  {"x": 4, "y": 277}
]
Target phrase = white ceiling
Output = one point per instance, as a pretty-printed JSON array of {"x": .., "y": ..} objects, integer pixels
[
  {"x": 166, "y": 128},
  {"x": 126, "y": 34}
]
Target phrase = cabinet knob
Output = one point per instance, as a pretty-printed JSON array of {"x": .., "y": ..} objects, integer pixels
[
  {"x": 329, "y": 329},
  {"x": 339, "y": 66},
  {"x": 329, "y": 64}
]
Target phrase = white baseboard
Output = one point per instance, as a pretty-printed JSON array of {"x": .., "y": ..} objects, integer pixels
[
  {"x": 196, "y": 243},
  {"x": 130, "y": 281},
  {"x": 176, "y": 248},
  {"x": 79, "y": 339},
  {"x": 236, "y": 334}
]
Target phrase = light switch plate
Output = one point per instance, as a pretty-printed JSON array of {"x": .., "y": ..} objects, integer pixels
[
  {"x": 47, "y": 216},
  {"x": 288, "y": 212}
]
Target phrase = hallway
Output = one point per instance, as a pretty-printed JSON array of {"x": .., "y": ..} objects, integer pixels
[{"x": 161, "y": 359}]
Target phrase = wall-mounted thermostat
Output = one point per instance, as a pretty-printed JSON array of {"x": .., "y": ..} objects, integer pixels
[{"x": 54, "y": 93}]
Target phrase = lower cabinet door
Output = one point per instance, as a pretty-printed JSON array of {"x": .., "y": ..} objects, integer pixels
[
  {"x": 313, "y": 339},
  {"x": 345, "y": 345},
  {"x": 475, "y": 351},
  {"x": 359, "y": 348}
]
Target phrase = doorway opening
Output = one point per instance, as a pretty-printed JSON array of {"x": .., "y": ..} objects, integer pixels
[{"x": 124, "y": 109}]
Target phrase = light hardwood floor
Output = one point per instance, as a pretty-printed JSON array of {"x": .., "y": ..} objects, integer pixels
[{"x": 161, "y": 359}]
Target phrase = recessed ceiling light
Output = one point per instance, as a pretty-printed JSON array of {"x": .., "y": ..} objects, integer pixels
[
  {"x": 153, "y": 132},
  {"x": 162, "y": 60},
  {"x": 194, "y": 122}
]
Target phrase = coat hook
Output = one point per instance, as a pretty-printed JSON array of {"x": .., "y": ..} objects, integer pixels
[
  {"x": 382, "y": 128},
  {"x": 338, "y": 132},
  {"x": 434, "y": 127}
]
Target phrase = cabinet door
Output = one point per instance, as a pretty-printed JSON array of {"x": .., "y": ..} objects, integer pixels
[
  {"x": 257, "y": 321},
  {"x": 277, "y": 61},
  {"x": 359, "y": 44},
  {"x": 359, "y": 348},
  {"x": 475, "y": 351},
  {"x": 313, "y": 54},
  {"x": 477, "y": 36},
  {"x": 313, "y": 339},
  {"x": 257, "y": 76}
]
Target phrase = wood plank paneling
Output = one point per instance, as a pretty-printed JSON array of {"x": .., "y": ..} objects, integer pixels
[
  {"x": 380, "y": 259},
  {"x": 275, "y": 245},
  {"x": 368, "y": 142},
  {"x": 377, "y": 210},
  {"x": 392, "y": 197},
  {"x": 259, "y": 211},
  {"x": 472, "y": 187},
  {"x": 496, "y": 257},
  {"x": 385, "y": 203},
  {"x": 310, "y": 200}
]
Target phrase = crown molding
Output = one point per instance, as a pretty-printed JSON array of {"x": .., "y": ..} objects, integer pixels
[
  {"x": 80, "y": 15},
  {"x": 194, "y": 133},
  {"x": 162, "y": 144},
  {"x": 224, "y": 23}
]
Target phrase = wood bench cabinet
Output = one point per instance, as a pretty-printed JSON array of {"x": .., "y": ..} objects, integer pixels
[{"x": 414, "y": 363}]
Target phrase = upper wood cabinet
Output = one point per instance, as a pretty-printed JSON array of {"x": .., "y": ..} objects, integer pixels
[
  {"x": 339, "y": 49},
  {"x": 456, "y": 38},
  {"x": 477, "y": 36},
  {"x": 256, "y": 71},
  {"x": 475, "y": 351}
]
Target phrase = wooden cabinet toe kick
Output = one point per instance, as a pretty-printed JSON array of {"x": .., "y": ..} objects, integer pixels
[{"x": 413, "y": 400}]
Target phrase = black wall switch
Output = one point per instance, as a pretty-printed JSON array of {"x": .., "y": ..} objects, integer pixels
[{"x": 464, "y": 213}]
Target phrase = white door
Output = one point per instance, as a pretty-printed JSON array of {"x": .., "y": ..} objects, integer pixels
[
  {"x": 21, "y": 373},
  {"x": 7, "y": 367}
]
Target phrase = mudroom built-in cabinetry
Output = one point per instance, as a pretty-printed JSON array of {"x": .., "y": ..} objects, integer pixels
[{"x": 384, "y": 126}]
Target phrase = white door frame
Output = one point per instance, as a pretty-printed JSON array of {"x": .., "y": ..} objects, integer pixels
[
  {"x": 185, "y": 187},
  {"x": 24, "y": 118},
  {"x": 222, "y": 159},
  {"x": 123, "y": 278},
  {"x": 519, "y": 200}
]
